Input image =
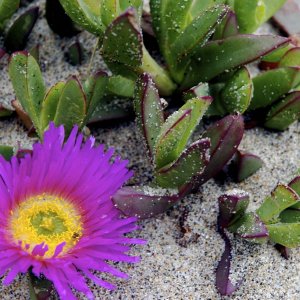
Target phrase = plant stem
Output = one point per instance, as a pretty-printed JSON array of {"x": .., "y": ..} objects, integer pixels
[{"x": 160, "y": 76}]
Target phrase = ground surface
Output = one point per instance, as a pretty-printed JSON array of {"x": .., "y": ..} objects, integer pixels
[{"x": 176, "y": 265}]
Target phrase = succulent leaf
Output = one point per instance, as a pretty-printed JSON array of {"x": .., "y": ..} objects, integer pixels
[
  {"x": 122, "y": 42},
  {"x": 121, "y": 86},
  {"x": 148, "y": 110},
  {"x": 295, "y": 185},
  {"x": 290, "y": 216},
  {"x": 94, "y": 88},
  {"x": 28, "y": 84},
  {"x": 198, "y": 91},
  {"x": 280, "y": 199},
  {"x": 269, "y": 86},
  {"x": 219, "y": 56},
  {"x": 237, "y": 93},
  {"x": 291, "y": 58},
  {"x": 145, "y": 202},
  {"x": 18, "y": 33},
  {"x": 286, "y": 234},
  {"x": 228, "y": 27},
  {"x": 177, "y": 130},
  {"x": 75, "y": 53},
  {"x": 7, "y": 152},
  {"x": 86, "y": 14},
  {"x": 284, "y": 113},
  {"x": 190, "y": 163},
  {"x": 225, "y": 136},
  {"x": 246, "y": 164},
  {"x": 7, "y": 8}
]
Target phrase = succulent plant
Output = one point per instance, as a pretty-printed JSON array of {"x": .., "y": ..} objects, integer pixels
[
  {"x": 277, "y": 220},
  {"x": 65, "y": 103},
  {"x": 178, "y": 166},
  {"x": 7, "y": 8}
]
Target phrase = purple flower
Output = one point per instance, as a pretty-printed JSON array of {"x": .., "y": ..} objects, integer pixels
[{"x": 57, "y": 215}]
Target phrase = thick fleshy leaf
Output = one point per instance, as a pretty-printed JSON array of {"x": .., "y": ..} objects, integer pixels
[
  {"x": 251, "y": 227},
  {"x": 232, "y": 206},
  {"x": 94, "y": 88},
  {"x": 121, "y": 86},
  {"x": 287, "y": 18},
  {"x": 28, "y": 84},
  {"x": 252, "y": 13},
  {"x": 246, "y": 164},
  {"x": 219, "y": 56},
  {"x": 225, "y": 136},
  {"x": 190, "y": 164},
  {"x": 6, "y": 151},
  {"x": 122, "y": 41},
  {"x": 110, "y": 9},
  {"x": 237, "y": 93},
  {"x": 198, "y": 91},
  {"x": 228, "y": 27},
  {"x": 295, "y": 185},
  {"x": 75, "y": 53},
  {"x": 197, "y": 33},
  {"x": 18, "y": 33},
  {"x": 7, "y": 8},
  {"x": 284, "y": 113},
  {"x": 85, "y": 13},
  {"x": 280, "y": 199},
  {"x": 145, "y": 202},
  {"x": 291, "y": 58},
  {"x": 58, "y": 20},
  {"x": 148, "y": 110},
  {"x": 290, "y": 216},
  {"x": 24, "y": 117},
  {"x": 177, "y": 130},
  {"x": 286, "y": 234},
  {"x": 50, "y": 103},
  {"x": 269, "y": 86},
  {"x": 71, "y": 107}
]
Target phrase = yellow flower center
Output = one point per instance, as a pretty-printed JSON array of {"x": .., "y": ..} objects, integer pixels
[{"x": 46, "y": 218}]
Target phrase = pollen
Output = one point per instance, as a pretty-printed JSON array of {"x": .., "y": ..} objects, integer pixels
[{"x": 48, "y": 219}]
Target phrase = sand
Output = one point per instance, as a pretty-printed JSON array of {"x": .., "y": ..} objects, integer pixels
[{"x": 176, "y": 265}]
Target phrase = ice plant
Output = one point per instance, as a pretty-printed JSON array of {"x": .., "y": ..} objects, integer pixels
[{"x": 57, "y": 217}]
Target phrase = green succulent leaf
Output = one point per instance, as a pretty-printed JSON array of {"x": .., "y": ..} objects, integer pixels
[
  {"x": 148, "y": 110},
  {"x": 252, "y": 13},
  {"x": 219, "y": 56},
  {"x": 86, "y": 14},
  {"x": 276, "y": 55},
  {"x": 237, "y": 93},
  {"x": 280, "y": 199},
  {"x": 198, "y": 91},
  {"x": 110, "y": 9},
  {"x": 122, "y": 42},
  {"x": 28, "y": 84},
  {"x": 7, "y": 152},
  {"x": 284, "y": 113},
  {"x": 191, "y": 163},
  {"x": 290, "y": 216},
  {"x": 17, "y": 35},
  {"x": 269, "y": 86},
  {"x": 7, "y": 8},
  {"x": 177, "y": 130},
  {"x": 121, "y": 86},
  {"x": 94, "y": 88},
  {"x": 291, "y": 58},
  {"x": 295, "y": 185},
  {"x": 228, "y": 27},
  {"x": 286, "y": 234},
  {"x": 75, "y": 53},
  {"x": 71, "y": 107},
  {"x": 49, "y": 106}
]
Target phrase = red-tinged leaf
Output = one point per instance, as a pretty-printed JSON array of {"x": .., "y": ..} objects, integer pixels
[
  {"x": 145, "y": 202},
  {"x": 122, "y": 42},
  {"x": 198, "y": 91},
  {"x": 287, "y": 18},
  {"x": 280, "y": 199},
  {"x": 295, "y": 185},
  {"x": 291, "y": 58},
  {"x": 228, "y": 27},
  {"x": 246, "y": 164},
  {"x": 232, "y": 206},
  {"x": 284, "y": 113},
  {"x": 225, "y": 136},
  {"x": 24, "y": 117},
  {"x": 224, "y": 55},
  {"x": 18, "y": 33},
  {"x": 190, "y": 164},
  {"x": 269, "y": 86},
  {"x": 148, "y": 110}
]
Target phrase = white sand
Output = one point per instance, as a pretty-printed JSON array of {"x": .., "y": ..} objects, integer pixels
[{"x": 177, "y": 266}]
